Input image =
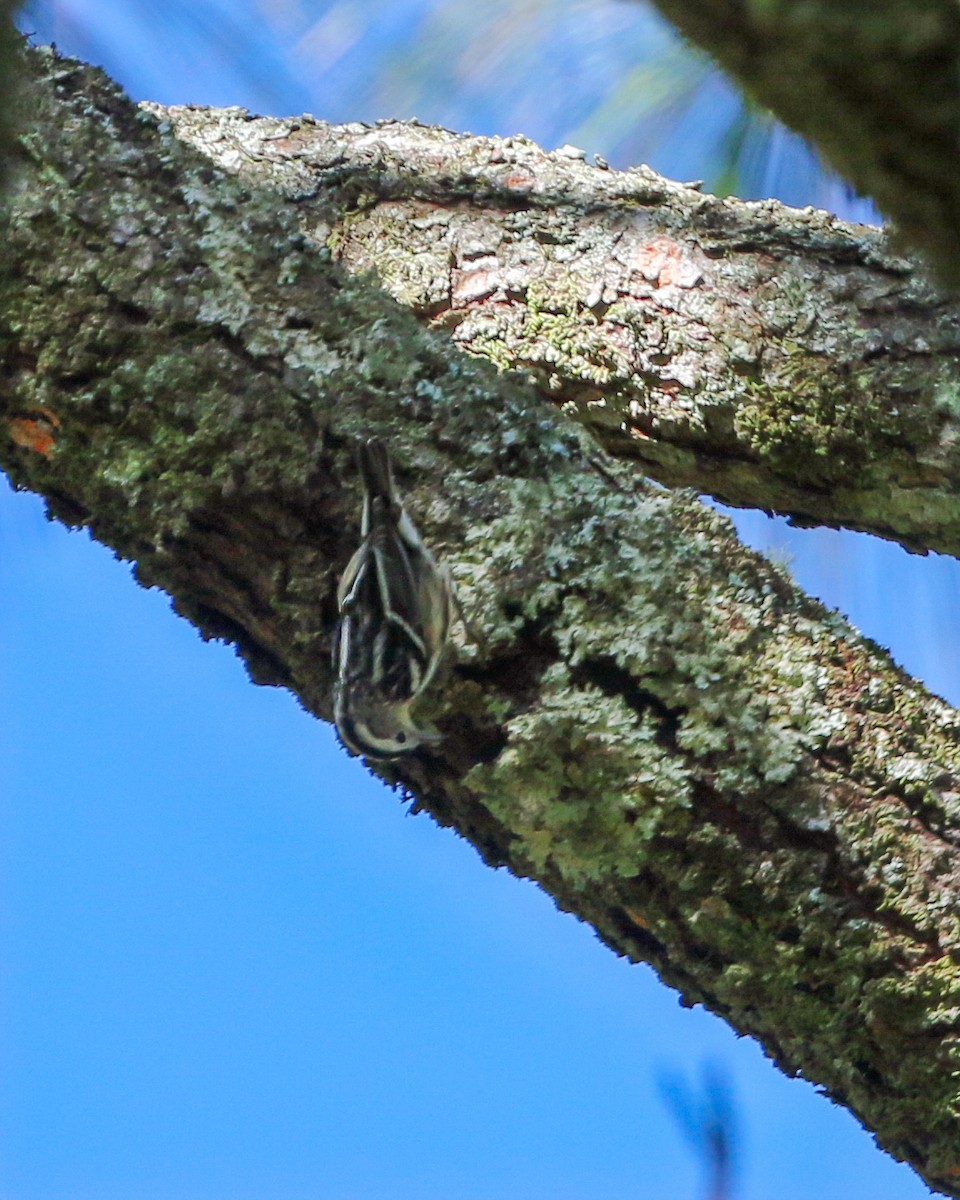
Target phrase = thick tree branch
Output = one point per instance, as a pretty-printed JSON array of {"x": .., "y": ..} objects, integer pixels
[
  {"x": 723, "y": 778},
  {"x": 876, "y": 86},
  {"x": 773, "y": 357},
  {"x": 10, "y": 42}
]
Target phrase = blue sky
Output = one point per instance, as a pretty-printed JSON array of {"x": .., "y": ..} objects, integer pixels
[{"x": 233, "y": 966}]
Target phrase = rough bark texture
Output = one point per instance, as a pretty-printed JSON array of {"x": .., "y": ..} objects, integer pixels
[
  {"x": 873, "y": 83},
  {"x": 722, "y": 777},
  {"x": 10, "y": 42},
  {"x": 776, "y": 358}
]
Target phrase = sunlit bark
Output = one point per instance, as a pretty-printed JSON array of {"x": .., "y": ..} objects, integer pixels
[{"x": 724, "y": 779}]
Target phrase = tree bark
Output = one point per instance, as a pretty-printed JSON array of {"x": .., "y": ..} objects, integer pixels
[
  {"x": 775, "y": 358},
  {"x": 874, "y": 85},
  {"x": 723, "y": 778},
  {"x": 10, "y": 42}
]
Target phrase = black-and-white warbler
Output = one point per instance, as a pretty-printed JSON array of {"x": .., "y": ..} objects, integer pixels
[{"x": 396, "y": 605}]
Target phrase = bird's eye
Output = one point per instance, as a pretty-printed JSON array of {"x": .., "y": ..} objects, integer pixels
[{"x": 401, "y": 737}]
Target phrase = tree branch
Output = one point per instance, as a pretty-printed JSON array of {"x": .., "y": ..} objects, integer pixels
[
  {"x": 724, "y": 779},
  {"x": 775, "y": 358},
  {"x": 10, "y": 42},
  {"x": 875, "y": 86}
]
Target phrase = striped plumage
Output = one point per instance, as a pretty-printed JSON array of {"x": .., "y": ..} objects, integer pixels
[{"x": 396, "y": 605}]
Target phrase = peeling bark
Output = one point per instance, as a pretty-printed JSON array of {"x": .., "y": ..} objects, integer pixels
[
  {"x": 774, "y": 358},
  {"x": 723, "y": 778}
]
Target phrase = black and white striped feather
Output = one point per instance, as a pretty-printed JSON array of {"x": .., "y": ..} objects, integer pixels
[{"x": 396, "y": 604}]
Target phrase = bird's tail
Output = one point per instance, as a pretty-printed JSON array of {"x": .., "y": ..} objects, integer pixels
[{"x": 376, "y": 473}]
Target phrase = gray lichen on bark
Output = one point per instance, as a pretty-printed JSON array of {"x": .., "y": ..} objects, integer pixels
[
  {"x": 726, "y": 780},
  {"x": 773, "y": 357}
]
